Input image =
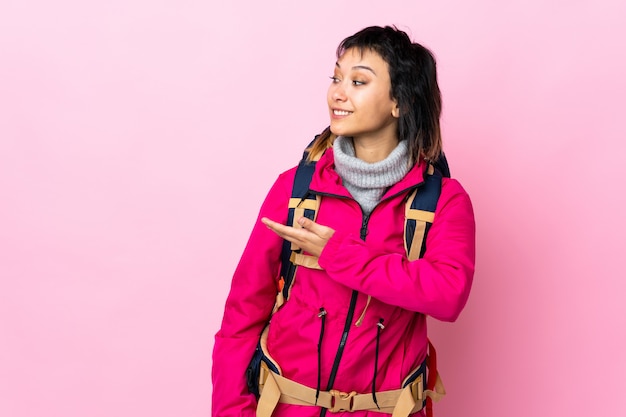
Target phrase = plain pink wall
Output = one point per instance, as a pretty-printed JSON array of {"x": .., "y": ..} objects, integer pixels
[{"x": 138, "y": 138}]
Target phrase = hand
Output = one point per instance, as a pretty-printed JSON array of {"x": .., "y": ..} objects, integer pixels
[{"x": 311, "y": 237}]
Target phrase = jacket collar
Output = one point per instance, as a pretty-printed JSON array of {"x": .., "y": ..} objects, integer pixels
[{"x": 326, "y": 180}]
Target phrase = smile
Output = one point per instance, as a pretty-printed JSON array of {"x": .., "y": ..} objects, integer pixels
[{"x": 341, "y": 112}]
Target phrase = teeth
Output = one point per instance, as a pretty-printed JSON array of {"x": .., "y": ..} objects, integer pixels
[{"x": 341, "y": 112}]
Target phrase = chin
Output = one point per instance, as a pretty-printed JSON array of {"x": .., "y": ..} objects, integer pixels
[{"x": 338, "y": 130}]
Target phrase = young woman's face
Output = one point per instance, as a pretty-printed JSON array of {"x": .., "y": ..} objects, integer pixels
[{"x": 359, "y": 98}]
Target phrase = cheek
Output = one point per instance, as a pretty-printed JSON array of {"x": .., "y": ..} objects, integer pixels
[{"x": 384, "y": 104}]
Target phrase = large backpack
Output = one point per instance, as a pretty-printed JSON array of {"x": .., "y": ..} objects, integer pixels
[{"x": 419, "y": 216}]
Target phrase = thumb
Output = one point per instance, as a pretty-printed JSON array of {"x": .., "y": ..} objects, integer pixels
[{"x": 304, "y": 222}]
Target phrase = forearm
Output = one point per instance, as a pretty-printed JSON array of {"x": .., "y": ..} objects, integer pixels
[{"x": 437, "y": 285}]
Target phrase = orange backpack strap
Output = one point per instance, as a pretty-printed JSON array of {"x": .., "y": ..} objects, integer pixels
[{"x": 435, "y": 389}]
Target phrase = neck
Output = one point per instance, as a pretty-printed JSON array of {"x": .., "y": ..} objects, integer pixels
[{"x": 373, "y": 150}]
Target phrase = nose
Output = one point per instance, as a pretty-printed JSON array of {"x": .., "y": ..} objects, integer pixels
[{"x": 337, "y": 92}]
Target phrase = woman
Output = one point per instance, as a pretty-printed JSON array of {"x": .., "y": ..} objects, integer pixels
[{"x": 384, "y": 106}]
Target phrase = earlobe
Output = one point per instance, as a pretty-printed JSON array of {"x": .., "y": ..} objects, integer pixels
[{"x": 395, "y": 112}]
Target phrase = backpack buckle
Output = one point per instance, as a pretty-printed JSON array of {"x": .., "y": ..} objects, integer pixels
[{"x": 341, "y": 401}]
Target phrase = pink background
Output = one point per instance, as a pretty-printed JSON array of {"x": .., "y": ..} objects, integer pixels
[{"x": 138, "y": 138}]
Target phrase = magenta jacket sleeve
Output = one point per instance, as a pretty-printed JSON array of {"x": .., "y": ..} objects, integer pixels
[
  {"x": 437, "y": 285},
  {"x": 248, "y": 307}
]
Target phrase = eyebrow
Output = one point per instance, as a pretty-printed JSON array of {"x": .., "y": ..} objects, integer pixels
[{"x": 357, "y": 67}]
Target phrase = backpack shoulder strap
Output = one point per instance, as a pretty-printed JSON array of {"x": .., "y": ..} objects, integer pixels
[
  {"x": 301, "y": 204},
  {"x": 419, "y": 217},
  {"x": 420, "y": 213}
]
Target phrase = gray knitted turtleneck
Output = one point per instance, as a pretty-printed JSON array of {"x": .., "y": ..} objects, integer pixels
[{"x": 368, "y": 181}]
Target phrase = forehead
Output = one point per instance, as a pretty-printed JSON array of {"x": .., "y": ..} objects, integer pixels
[{"x": 357, "y": 57}]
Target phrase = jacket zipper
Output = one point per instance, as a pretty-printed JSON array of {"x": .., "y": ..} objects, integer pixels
[
  {"x": 350, "y": 316},
  {"x": 355, "y": 294},
  {"x": 342, "y": 343}
]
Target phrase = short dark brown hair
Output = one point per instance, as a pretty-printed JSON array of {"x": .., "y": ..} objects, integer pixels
[{"x": 413, "y": 73}]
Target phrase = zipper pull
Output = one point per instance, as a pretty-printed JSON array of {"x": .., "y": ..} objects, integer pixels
[{"x": 362, "y": 316}]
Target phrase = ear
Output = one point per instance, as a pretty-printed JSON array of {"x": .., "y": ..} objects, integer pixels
[{"x": 395, "y": 111}]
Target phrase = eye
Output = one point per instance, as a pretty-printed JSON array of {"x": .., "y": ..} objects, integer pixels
[
  {"x": 357, "y": 82},
  {"x": 334, "y": 79}
]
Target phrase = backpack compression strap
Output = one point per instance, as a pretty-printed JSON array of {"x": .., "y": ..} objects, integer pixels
[{"x": 303, "y": 207}]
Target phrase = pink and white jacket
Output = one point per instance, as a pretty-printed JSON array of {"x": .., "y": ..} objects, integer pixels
[{"x": 402, "y": 293}]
